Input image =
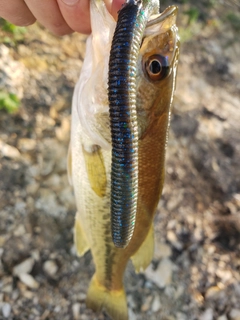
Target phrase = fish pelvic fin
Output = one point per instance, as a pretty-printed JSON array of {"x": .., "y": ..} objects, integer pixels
[
  {"x": 113, "y": 302},
  {"x": 80, "y": 238},
  {"x": 142, "y": 258}
]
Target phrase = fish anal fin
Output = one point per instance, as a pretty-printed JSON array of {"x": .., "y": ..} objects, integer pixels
[
  {"x": 80, "y": 239},
  {"x": 113, "y": 302},
  {"x": 142, "y": 258},
  {"x": 96, "y": 170}
]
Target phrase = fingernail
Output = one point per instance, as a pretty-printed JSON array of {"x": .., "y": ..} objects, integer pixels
[{"x": 70, "y": 2}]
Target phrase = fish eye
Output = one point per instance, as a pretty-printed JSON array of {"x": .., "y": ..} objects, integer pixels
[{"x": 156, "y": 67}]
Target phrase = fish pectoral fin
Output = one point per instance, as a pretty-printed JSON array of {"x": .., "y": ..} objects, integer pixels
[
  {"x": 96, "y": 170},
  {"x": 113, "y": 302},
  {"x": 142, "y": 258},
  {"x": 80, "y": 238},
  {"x": 69, "y": 164}
]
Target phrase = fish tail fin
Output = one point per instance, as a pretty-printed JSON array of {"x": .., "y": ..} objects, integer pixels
[{"x": 113, "y": 302}]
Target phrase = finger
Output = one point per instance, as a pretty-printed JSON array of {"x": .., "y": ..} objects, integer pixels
[
  {"x": 108, "y": 4},
  {"x": 116, "y": 6},
  {"x": 49, "y": 15},
  {"x": 77, "y": 14},
  {"x": 17, "y": 12}
]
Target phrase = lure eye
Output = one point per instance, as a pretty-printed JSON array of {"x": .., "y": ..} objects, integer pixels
[{"x": 156, "y": 67}]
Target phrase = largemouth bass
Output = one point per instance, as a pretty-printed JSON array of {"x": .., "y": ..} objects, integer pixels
[{"x": 90, "y": 151}]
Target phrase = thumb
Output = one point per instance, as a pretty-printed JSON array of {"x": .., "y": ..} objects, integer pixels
[{"x": 116, "y": 6}]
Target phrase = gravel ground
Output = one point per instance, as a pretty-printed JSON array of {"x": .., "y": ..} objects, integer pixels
[{"x": 195, "y": 271}]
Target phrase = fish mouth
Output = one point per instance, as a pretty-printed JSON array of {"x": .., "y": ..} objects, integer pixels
[
  {"x": 156, "y": 19},
  {"x": 127, "y": 39}
]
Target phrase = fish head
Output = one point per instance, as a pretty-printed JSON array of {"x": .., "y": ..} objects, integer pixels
[
  {"x": 157, "y": 67},
  {"x": 156, "y": 71}
]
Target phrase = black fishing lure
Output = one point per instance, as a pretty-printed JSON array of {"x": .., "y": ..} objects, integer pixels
[{"x": 126, "y": 43}]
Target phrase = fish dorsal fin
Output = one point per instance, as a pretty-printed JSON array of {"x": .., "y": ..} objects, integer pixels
[{"x": 142, "y": 258}]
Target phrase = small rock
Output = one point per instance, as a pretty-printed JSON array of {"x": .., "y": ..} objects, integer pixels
[
  {"x": 32, "y": 188},
  {"x": 28, "y": 280},
  {"x": 172, "y": 238},
  {"x": 237, "y": 199},
  {"x": 175, "y": 201},
  {"x": 131, "y": 314},
  {"x": 162, "y": 275},
  {"x": 212, "y": 292},
  {"x": 46, "y": 166},
  {"x": 62, "y": 133},
  {"x": 211, "y": 249},
  {"x": 7, "y": 288},
  {"x": 148, "y": 284},
  {"x": 2, "y": 241},
  {"x": 35, "y": 255},
  {"x": 26, "y": 144},
  {"x": 19, "y": 231},
  {"x": 76, "y": 311},
  {"x": 23, "y": 267},
  {"x": 15, "y": 250},
  {"x": 197, "y": 296},
  {"x": 181, "y": 316},
  {"x": 15, "y": 294},
  {"x": 45, "y": 314},
  {"x": 223, "y": 317},
  {"x": 67, "y": 199},
  {"x": 81, "y": 296},
  {"x": 28, "y": 294},
  {"x": 131, "y": 301},
  {"x": 57, "y": 309},
  {"x": 162, "y": 250},
  {"x": 48, "y": 202},
  {"x": 6, "y": 310},
  {"x": 9, "y": 151},
  {"x": 147, "y": 304},
  {"x": 235, "y": 314},
  {"x": 224, "y": 275},
  {"x": 171, "y": 224},
  {"x": 179, "y": 291},
  {"x": 169, "y": 291},
  {"x": 34, "y": 171},
  {"x": 50, "y": 267},
  {"x": 207, "y": 315},
  {"x": 30, "y": 202},
  {"x": 156, "y": 305},
  {"x": 54, "y": 182},
  {"x": 20, "y": 206}
]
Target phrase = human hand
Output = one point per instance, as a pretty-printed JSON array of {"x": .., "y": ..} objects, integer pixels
[{"x": 59, "y": 16}]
